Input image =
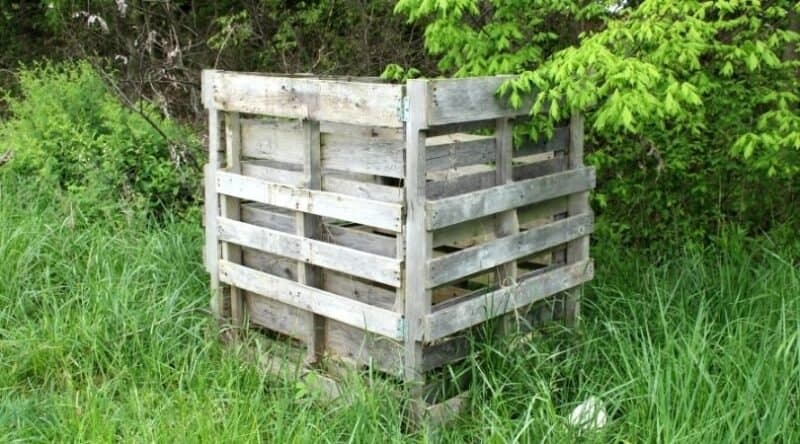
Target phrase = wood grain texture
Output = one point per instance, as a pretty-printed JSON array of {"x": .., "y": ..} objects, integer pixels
[
  {"x": 340, "y": 308},
  {"x": 418, "y": 239},
  {"x": 230, "y": 208},
  {"x": 469, "y": 99},
  {"x": 385, "y": 270},
  {"x": 452, "y": 210},
  {"x": 454, "y": 266},
  {"x": 322, "y": 203},
  {"x": 357, "y": 103},
  {"x": 577, "y": 250},
  {"x": 462, "y": 314}
]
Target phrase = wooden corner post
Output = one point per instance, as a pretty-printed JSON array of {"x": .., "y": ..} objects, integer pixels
[
  {"x": 577, "y": 250},
  {"x": 418, "y": 238}
]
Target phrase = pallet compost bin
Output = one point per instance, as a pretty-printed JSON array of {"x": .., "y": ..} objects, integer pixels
[{"x": 379, "y": 224}]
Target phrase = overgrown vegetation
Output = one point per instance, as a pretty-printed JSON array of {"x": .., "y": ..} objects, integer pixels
[
  {"x": 105, "y": 336},
  {"x": 692, "y": 106},
  {"x": 67, "y": 129},
  {"x": 692, "y": 114}
]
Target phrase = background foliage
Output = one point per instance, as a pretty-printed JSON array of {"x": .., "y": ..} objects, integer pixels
[{"x": 692, "y": 106}]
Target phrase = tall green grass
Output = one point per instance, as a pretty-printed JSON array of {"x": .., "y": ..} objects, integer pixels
[{"x": 105, "y": 337}]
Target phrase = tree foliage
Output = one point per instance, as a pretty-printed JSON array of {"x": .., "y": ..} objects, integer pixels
[{"x": 692, "y": 106}]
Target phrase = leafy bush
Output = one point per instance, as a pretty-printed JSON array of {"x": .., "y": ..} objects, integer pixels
[
  {"x": 67, "y": 128},
  {"x": 691, "y": 107}
]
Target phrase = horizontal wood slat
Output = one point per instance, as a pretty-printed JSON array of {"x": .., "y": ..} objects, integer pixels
[
  {"x": 458, "y": 150},
  {"x": 288, "y": 174},
  {"x": 468, "y": 99},
  {"x": 459, "y": 315},
  {"x": 322, "y": 203},
  {"x": 345, "y": 310},
  {"x": 472, "y": 260},
  {"x": 466, "y": 183},
  {"x": 347, "y": 260},
  {"x": 356, "y": 103},
  {"x": 452, "y": 210}
]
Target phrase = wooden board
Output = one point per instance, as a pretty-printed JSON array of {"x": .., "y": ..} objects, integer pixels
[
  {"x": 458, "y": 184},
  {"x": 340, "y": 308},
  {"x": 458, "y": 150},
  {"x": 452, "y": 210},
  {"x": 458, "y": 315},
  {"x": 282, "y": 141},
  {"x": 289, "y": 174},
  {"x": 468, "y": 99},
  {"x": 302, "y": 98},
  {"x": 310, "y": 251},
  {"x": 482, "y": 257},
  {"x": 322, "y": 203},
  {"x": 345, "y": 236}
]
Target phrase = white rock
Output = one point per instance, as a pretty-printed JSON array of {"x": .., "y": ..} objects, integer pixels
[{"x": 589, "y": 415}]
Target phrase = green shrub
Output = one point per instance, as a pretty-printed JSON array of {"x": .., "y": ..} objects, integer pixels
[{"x": 68, "y": 129}]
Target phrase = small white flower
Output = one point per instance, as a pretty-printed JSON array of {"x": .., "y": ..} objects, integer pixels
[{"x": 589, "y": 415}]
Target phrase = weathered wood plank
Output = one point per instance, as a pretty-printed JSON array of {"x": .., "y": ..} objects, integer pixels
[
  {"x": 344, "y": 236},
  {"x": 452, "y": 210},
  {"x": 340, "y": 308},
  {"x": 353, "y": 344},
  {"x": 381, "y": 157},
  {"x": 289, "y": 174},
  {"x": 230, "y": 208},
  {"x": 282, "y": 141},
  {"x": 279, "y": 317},
  {"x": 469, "y": 99},
  {"x": 211, "y": 211},
  {"x": 385, "y": 270},
  {"x": 309, "y": 227},
  {"x": 458, "y": 150},
  {"x": 479, "y": 308},
  {"x": 368, "y": 212},
  {"x": 507, "y": 222},
  {"x": 462, "y": 184},
  {"x": 577, "y": 250},
  {"x": 358, "y": 103},
  {"x": 466, "y": 234},
  {"x": 418, "y": 239},
  {"x": 472, "y": 260},
  {"x": 273, "y": 139}
]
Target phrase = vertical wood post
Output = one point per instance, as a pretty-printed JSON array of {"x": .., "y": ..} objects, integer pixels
[
  {"x": 231, "y": 209},
  {"x": 211, "y": 212},
  {"x": 507, "y": 222},
  {"x": 578, "y": 249},
  {"x": 310, "y": 226},
  {"x": 418, "y": 239}
]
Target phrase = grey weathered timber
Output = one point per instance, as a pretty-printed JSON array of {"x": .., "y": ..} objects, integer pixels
[
  {"x": 335, "y": 234},
  {"x": 418, "y": 239},
  {"x": 307, "y": 250},
  {"x": 506, "y": 223},
  {"x": 385, "y": 225},
  {"x": 482, "y": 257},
  {"x": 458, "y": 150},
  {"x": 322, "y": 203},
  {"x": 470, "y": 99},
  {"x": 230, "y": 208},
  {"x": 479, "y": 308},
  {"x": 212, "y": 211},
  {"x": 577, "y": 250},
  {"x": 346, "y": 310},
  {"x": 452, "y": 210},
  {"x": 459, "y": 183},
  {"x": 289, "y": 174},
  {"x": 297, "y": 98},
  {"x": 308, "y": 228},
  {"x": 381, "y": 157}
]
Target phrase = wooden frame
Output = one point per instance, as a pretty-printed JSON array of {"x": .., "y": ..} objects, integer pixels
[{"x": 376, "y": 225}]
